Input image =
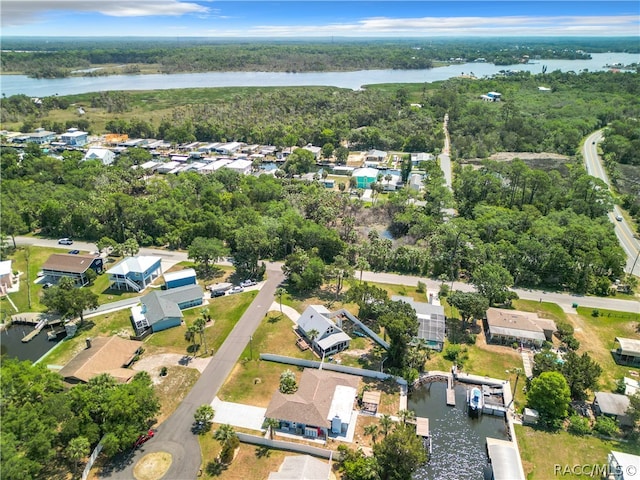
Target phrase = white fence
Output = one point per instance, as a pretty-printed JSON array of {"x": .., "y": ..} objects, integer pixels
[
  {"x": 92, "y": 459},
  {"x": 270, "y": 357},
  {"x": 290, "y": 446}
]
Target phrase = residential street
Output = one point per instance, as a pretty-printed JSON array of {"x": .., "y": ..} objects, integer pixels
[{"x": 624, "y": 232}]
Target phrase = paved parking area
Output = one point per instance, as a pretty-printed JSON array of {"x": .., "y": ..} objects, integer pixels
[{"x": 238, "y": 415}]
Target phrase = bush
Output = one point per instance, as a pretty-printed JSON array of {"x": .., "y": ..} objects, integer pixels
[
  {"x": 606, "y": 426},
  {"x": 571, "y": 342},
  {"x": 452, "y": 352},
  {"x": 579, "y": 425},
  {"x": 228, "y": 450},
  {"x": 595, "y": 313},
  {"x": 422, "y": 287},
  {"x": 444, "y": 290},
  {"x": 564, "y": 329},
  {"x": 163, "y": 372}
]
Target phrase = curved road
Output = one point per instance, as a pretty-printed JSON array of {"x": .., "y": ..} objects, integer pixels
[{"x": 624, "y": 232}]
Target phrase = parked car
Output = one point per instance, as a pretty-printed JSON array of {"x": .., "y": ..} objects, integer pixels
[
  {"x": 248, "y": 283},
  {"x": 65, "y": 241},
  {"x": 47, "y": 285},
  {"x": 143, "y": 438},
  {"x": 218, "y": 293},
  {"x": 74, "y": 252},
  {"x": 236, "y": 289}
]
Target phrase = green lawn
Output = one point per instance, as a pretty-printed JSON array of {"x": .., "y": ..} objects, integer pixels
[
  {"x": 253, "y": 381},
  {"x": 541, "y": 451},
  {"x": 225, "y": 313}
]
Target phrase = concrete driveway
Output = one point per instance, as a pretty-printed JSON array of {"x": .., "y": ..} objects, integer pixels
[{"x": 238, "y": 415}]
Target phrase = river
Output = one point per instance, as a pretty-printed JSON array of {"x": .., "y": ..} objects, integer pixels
[
  {"x": 458, "y": 441},
  {"x": 21, "y": 84}
]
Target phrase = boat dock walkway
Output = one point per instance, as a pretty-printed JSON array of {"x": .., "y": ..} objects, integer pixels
[{"x": 451, "y": 393}]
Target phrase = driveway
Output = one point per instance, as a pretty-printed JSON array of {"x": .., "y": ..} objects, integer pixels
[{"x": 238, "y": 415}]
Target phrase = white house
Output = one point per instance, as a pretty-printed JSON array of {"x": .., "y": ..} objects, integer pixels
[
  {"x": 416, "y": 158},
  {"x": 240, "y": 166},
  {"x": 325, "y": 336},
  {"x": 315, "y": 150},
  {"x": 74, "y": 137},
  {"x": 375, "y": 156},
  {"x": 105, "y": 155},
  {"x": 228, "y": 148},
  {"x": 6, "y": 274}
]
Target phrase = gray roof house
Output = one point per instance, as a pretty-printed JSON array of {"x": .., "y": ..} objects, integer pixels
[
  {"x": 162, "y": 309},
  {"x": 628, "y": 352},
  {"x": 317, "y": 325},
  {"x": 431, "y": 321},
  {"x": 613, "y": 405},
  {"x": 509, "y": 326}
]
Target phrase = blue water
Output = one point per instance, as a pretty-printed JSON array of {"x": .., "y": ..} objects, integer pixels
[
  {"x": 458, "y": 441},
  {"x": 21, "y": 84}
]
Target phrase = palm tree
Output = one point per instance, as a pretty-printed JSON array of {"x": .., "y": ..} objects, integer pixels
[
  {"x": 372, "y": 430},
  {"x": 271, "y": 424},
  {"x": 76, "y": 450},
  {"x": 313, "y": 334},
  {"x": 224, "y": 433},
  {"x": 385, "y": 424},
  {"x": 199, "y": 324},
  {"x": 406, "y": 415},
  {"x": 362, "y": 265},
  {"x": 279, "y": 293},
  {"x": 190, "y": 335}
]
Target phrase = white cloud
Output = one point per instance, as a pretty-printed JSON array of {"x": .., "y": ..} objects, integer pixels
[
  {"x": 460, "y": 26},
  {"x": 20, "y": 12}
]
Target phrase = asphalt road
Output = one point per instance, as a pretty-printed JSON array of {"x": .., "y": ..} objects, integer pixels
[{"x": 624, "y": 232}]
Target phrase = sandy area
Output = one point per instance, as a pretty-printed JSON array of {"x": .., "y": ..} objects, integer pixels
[
  {"x": 153, "y": 363},
  {"x": 152, "y": 466}
]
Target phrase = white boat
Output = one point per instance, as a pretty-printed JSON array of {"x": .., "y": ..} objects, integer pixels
[{"x": 475, "y": 401}]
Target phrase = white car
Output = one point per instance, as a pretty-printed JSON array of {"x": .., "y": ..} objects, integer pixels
[
  {"x": 236, "y": 289},
  {"x": 248, "y": 283},
  {"x": 65, "y": 241},
  {"x": 619, "y": 218}
]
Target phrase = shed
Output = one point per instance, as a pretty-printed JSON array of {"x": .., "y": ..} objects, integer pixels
[
  {"x": 628, "y": 352},
  {"x": 530, "y": 416},
  {"x": 612, "y": 405},
  {"x": 371, "y": 400},
  {"x": 180, "y": 278}
]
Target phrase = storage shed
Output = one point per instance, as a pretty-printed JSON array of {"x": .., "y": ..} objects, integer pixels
[{"x": 180, "y": 278}]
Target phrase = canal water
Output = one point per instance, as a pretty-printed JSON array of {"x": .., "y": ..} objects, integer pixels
[
  {"x": 458, "y": 442},
  {"x": 11, "y": 343}
]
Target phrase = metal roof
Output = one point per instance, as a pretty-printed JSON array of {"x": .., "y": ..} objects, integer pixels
[
  {"x": 179, "y": 275},
  {"x": 505, "y": 460},
  {"x": 612, "y": 403},
  {"x": 69, "y": 263},
  {"x": 629, "y": 346},
  {"x": 139, "y": 264}
]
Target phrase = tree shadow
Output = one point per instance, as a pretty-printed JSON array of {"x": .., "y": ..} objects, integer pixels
[{"x": 263, "y": 452}]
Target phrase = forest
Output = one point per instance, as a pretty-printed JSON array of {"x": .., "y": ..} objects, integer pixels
[{"x": 59, "y": 57}]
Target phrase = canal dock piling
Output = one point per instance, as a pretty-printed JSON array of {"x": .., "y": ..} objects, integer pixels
[{"x": 451, "y": 393}]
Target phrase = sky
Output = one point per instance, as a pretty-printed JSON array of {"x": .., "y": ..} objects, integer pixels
[{"x": 289, "y": 18}]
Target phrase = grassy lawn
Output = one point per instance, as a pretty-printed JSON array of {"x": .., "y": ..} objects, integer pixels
[
  {"x": 253, "y": 381},
  {"x": 597, "y": 336},
  {"x": 542, "y": 309},
  {"x": 540, "y": 451},
  {"x": 225, "y": 313}
]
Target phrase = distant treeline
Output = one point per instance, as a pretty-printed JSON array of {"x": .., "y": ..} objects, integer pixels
[{"x": 54, "y": 58}]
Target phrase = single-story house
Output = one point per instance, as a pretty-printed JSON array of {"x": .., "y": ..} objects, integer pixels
[
  {"x": 491, "y": 97},
  {"x": 504, "y": 459},
  {"x": 162, "y": 309},
  {"x": 324, "y": 335},
  {"x": 228, "y": 148},
  {"x": 180, "y": 278},
  {"x": 302, "y": 467},
  {"x": 315, "y": 150},
  {"x": 60, "y": 265},
  {"x": 628, "y": 352},
  {"x": 240, "y": 166},
  {"x": 631, "y": 386},
  {"x": 102, "y": 355},
  {"x": 365, "y": 176},
  {"x": 6, "y": 276},
  {"x": 525, "y": 328},
  {"x": 392, "y": 184},
  {"x": 416, "y": 158},
  {"x": 75, "y": 137},
  {"x": 613, "y": 405},
  {"x": 622, "y": 466},
  {"x": 323, "y": 404},
  {"x": 135, "y": 273},
  {"x": 105, "y": 155},
  {"x": 167, "y": 167},
  {"x": 431, "y": 321},
  {"x": 41, "y": 136},
  {"x": 375, "y": 156}
]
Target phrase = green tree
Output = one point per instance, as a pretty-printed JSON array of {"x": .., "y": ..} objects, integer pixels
[
  {"x": 130, "y": 247},
  {"x": 470, "y": 305},
  {"x": 371, "y": 430},
  {"x": 341, "y": 154},
  {"x": 299, "y": 162},
  {"x": 549, "y": 394},
  {"x": 77, "y": 449},
  {"x": 271, "y": 424},
  {"x": 493, "y": 282},
  {"x": 401, "y": 326},
  {"x": 399, "y": 454},
  {"x": 206, "y": 252},
  {"x": 69, "y": 301},
  {"x": 200, "y": 324},
  {"x": 581, "y": 372},
  {"x": 327, "y": 150},
  {"x": 386, "y": 422},
  {"x": 279, "y": 293},
  {"x": 204, "y": 415},
  {"x": 288, "y": 382},
  {"x": 339, "y": 269}
]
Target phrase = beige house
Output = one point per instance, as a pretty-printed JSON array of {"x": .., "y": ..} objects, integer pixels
[
  {"x": 322, "y": 405},
  {"x": 513, "y": 326},
  {"x": 102, "y": 355}
]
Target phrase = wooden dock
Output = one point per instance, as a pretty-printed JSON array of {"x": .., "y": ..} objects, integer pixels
[
  {"x": 31, "y": 335},
  {"x": 451, "y": 393},
  {"x": 422, "y": 426}
]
